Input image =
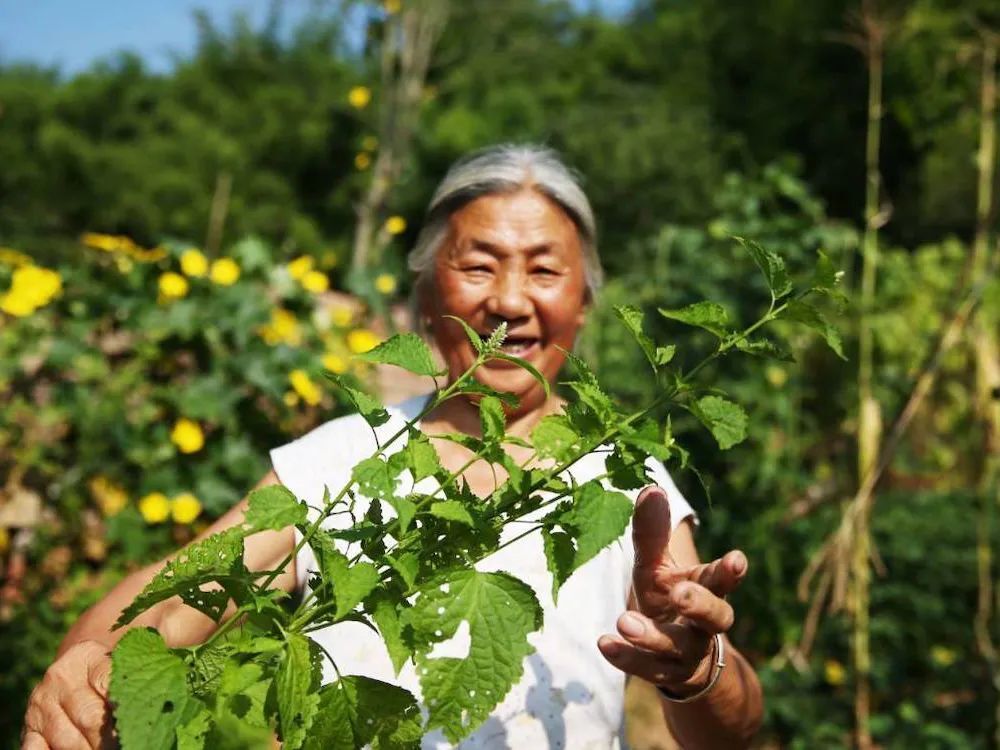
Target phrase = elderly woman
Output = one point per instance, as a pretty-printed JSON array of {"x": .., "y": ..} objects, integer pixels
[{"x": 509, "y": 238}]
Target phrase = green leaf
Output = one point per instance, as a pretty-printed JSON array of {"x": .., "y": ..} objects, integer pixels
[
  {"x": 626, "y": 467},
  {"x": 650, "y": 438},
  {"x": 474, "y": 338},
  {"x": 273, "y": 507},
  {"x": 474, "y": 387},
  {"x": 825, "y": 278},
  {"x": 554, "y": 437},
  {"x": 405, "y": 350},
  {"x": 149, "y": 690},
  {"x": 583, "y": 371},
  {"x": 765, "y": 348},
  {"x": 405, "y": 509},
  {"x": 809, "y": 316},
  {"x": 407, "y": 565},
  {"x": 771, "y": 266},
  {"x": 725, "y": 420},
  {"x": 664, "y": 354},
  {"x": 524, "y": 365},
  {"x": 708, "y": 315},
  {"x": 242, "y": 695},
  {"x": 296, "y": 684},
  {"x": 559, "y": 555},
  {"x": 492, "y": 419},
  {"x": 632, "y": 318},
  {"x": 420, "y": 457},
  {"x": 358, "y": 711},
  {"x": 351, "y": 583},
  {"x": 218, "y": 556},
  {"x": 452, "y": 510},
  {"x": 192, "y": 735},
  {"x": 598, "y": 516},
  {"x": 500, "y": 611},
  {"x": 369, "y": 407},
  {"x": 374, "y": 478},
  {"x": 386, "y": 616},
  {"x": 597, "y": 402}
]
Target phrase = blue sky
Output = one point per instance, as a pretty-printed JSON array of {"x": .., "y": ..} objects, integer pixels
[{"x": 72, "y": 34}]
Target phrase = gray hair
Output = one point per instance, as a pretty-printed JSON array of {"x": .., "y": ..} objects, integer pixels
[{"x": 506, "y": 168}]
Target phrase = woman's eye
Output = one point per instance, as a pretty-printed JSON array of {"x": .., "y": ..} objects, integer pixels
[{"x": 546, "y": 271}]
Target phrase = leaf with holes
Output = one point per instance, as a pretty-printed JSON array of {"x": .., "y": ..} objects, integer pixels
[{"x": 500, "y": 612}]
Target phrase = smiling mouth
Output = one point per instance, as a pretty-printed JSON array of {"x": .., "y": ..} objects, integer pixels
[{"x": 517, "y": 346}]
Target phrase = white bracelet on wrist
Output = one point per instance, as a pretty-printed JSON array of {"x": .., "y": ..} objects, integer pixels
[{"x": 717, "y": 667}]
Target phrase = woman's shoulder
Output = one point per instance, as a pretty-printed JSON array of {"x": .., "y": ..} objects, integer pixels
[{"x": 326, "y": 454}]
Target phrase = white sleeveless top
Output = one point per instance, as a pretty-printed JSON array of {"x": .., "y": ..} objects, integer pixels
[{"x": 568, "y": 696}]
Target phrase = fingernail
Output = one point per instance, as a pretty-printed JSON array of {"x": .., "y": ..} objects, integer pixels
[
  {"x": 610, "y": 647},
  {"x": 740, "y": 564},
  {"x": 631, "y": 626}
]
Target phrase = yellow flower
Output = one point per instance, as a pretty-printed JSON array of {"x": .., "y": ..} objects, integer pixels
[
  {"x": 342, "y": 316},
  {"x": 110, "y": 497},
  {"x": 17, "y": 305},
  {"x": 369, "y": 143},
  {"x": 300, "y": 266},
  {"x": 315, "y": 282},
  {"x": 392, "y": 6},
  {"x": 184, "y": 508},
  {"x": 224, "y": 272},
  {"x": 291, "y": 398},
  {"x": 107, "y": 242},
  {"x": 124, "y": 263},
  {"x": 359, "y": 96},
  {"x": 187, "y": 436},
  {"x": 834, "y": 672},
  {"x": 335, "y": 363},
  {"x": 4, "y": 539},
  {"x": 303, "y": 386},
  {"x": 12, "y": 257},
  {"x": 193, "y": 262},
  {"x": 943, "y": 656},
  {"x": 776, "y": 375},
  {"x": 283, "y": 328},
  {"x": 362, "y": 161},
  {"x": 31, "y": 287},
  {"x": 154, "y": 507},
  {"x": 173, "y": 285},
  {"x": 395, "y": 225},
  {"x": 385, "y": 283},
  {"x": 361, "y": 340}
]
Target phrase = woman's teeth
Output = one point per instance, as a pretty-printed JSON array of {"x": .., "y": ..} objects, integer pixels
[{"x": 517, "y": 347}]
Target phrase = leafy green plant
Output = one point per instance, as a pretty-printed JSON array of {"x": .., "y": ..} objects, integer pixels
[{"x": 410, "y": 574}]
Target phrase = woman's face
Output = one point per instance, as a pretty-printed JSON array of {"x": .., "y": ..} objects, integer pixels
[{"x": 513, "y": 258}]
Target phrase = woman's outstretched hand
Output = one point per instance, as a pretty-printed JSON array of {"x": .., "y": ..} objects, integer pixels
[{"x": 666, "y": 634}]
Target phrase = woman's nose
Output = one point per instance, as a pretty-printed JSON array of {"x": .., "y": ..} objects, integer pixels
[{"x": 509, "y": 297}]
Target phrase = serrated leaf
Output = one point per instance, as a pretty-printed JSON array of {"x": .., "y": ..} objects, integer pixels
[
  {"x": 648, "y": 437},
  {"x": 242, "y": 695},
  {"x": 597, "y": 402},
  {"x": 825, "y": 276},
  {"x": 452, "y": 510},
  {"x": 626, "y": 467},
  {"x": 217, "y": 556},
  {"x": 273, "y": 507},
  {"x": 474, "y": 338},
  {"x": 771, "y": 266},
  {"x": 559, "y": 555},
  {"x": 405, "y": 350},
  {"x": 296, "y": 684},
  {"x": 369, "y": 407},
  {"x": 582, "y": 370},
  {"x": 351, "y": 583},
  {"x": 708, "y": 315},
  {"x": 405, "y": 509},
  {"x": 500, "y": 611},
  {"x": 554, "y": 437},
  {"x": 386, "y": 616},
  {"x": 491, "y": 418},
  {"x": 149, "y": 690},
  {"x": 360, "y": 712},
  {"x": 664, "y": 354},
  {"x": 809, "y": 316},
  {"x": 475, "y": 387},
  {"x": 765, "y": 348},
  {"x": 420, "y": 457},
  {"x": 632, "y": 318},
  {"x": 192, "y": 735},
  {"x": 725, "y": 420},
  {"x": 407, "y": 565},
  {"x": 599, "y": 516},
  {"x": 524, "y": 365},
  {"x": 374, "y": 478}
]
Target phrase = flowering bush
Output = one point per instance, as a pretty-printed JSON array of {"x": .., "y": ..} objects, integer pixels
[{"x": 140, "y": 389}]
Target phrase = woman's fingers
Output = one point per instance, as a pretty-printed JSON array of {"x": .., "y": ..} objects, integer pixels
[
  {"x": 701, "y": 608},
  {"x": 34, "y": 741},
  {"x": 672, "y": 640},
  {"x": 88, "y": 710},
  {"x": 655, "y": 668},
  {"x": 721, "y": 576}
]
